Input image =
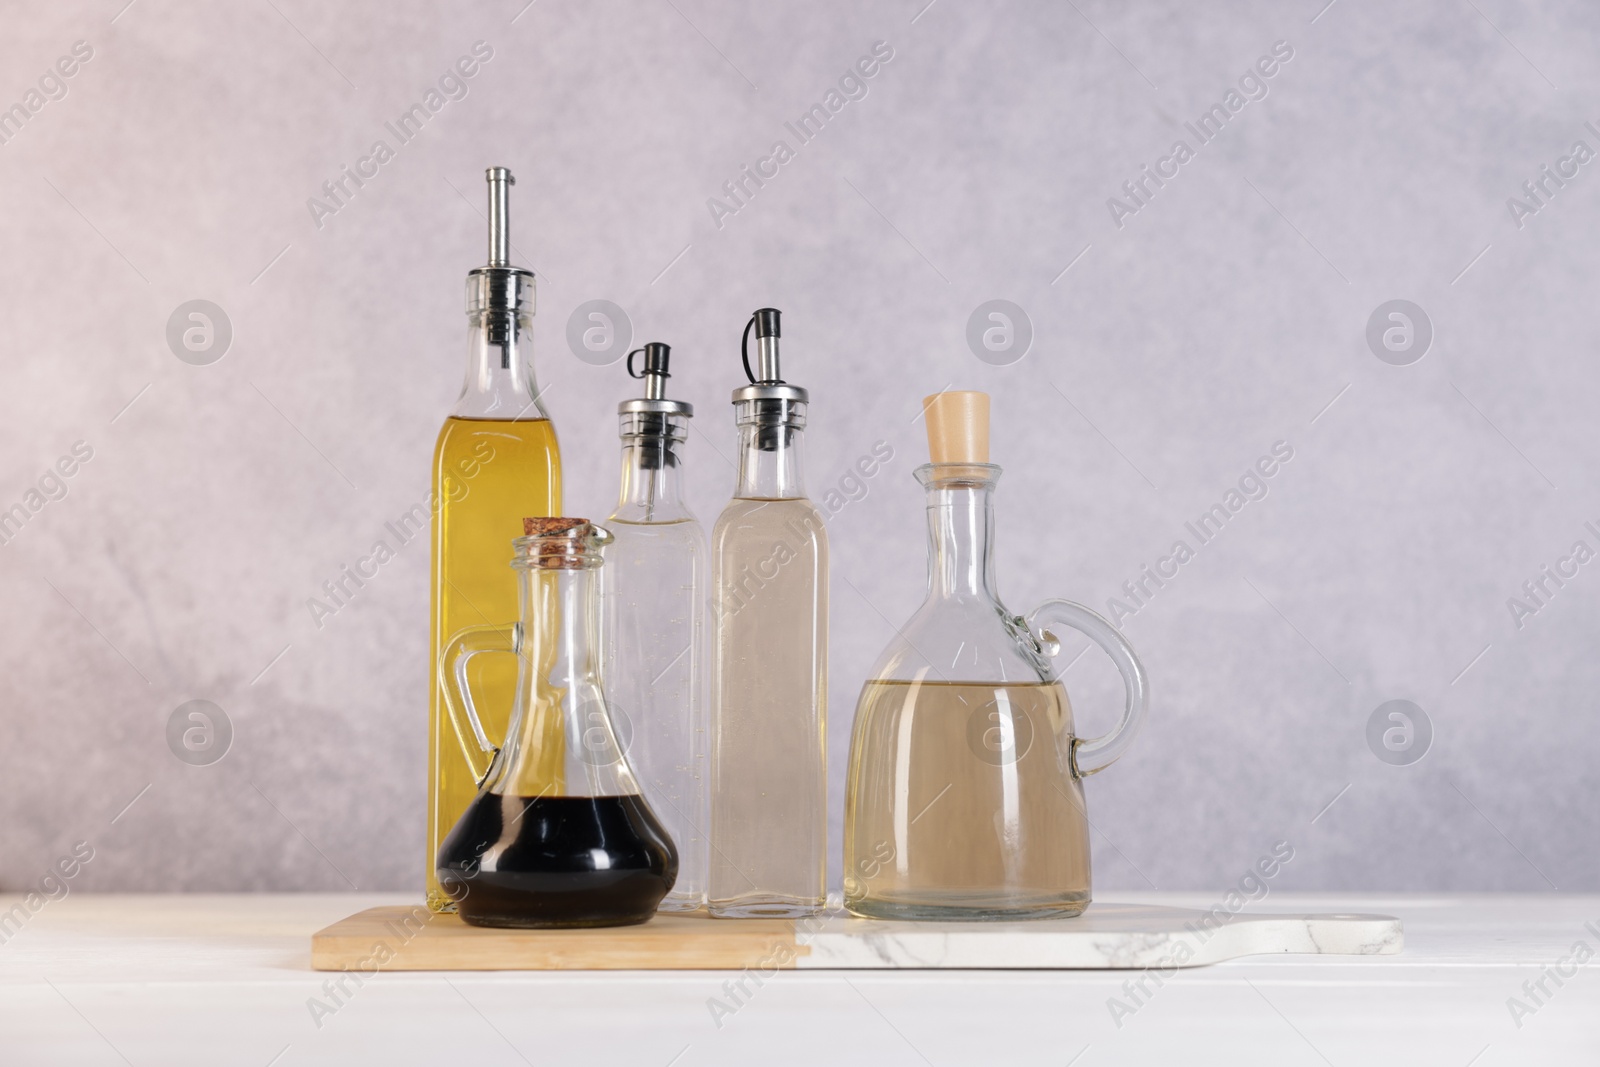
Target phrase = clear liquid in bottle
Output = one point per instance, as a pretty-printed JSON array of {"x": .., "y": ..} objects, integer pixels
[{"x": 769, "y": 789}]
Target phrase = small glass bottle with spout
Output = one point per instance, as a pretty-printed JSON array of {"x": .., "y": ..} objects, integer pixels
[
  {"x": 654, "y": 603},
  {"x": 964, "y": 796},
  {"x": 769, "y": 599},
  {"x": 558, "y": 834}
]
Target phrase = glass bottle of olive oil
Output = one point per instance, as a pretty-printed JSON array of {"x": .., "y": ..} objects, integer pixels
[{"x": 496, "y": 462}]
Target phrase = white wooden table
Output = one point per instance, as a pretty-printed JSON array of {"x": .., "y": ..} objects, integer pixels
[{"x": 224, "y": 980}]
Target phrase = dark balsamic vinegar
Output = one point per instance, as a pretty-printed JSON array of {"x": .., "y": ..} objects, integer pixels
[{"x": 516, "y": 861}]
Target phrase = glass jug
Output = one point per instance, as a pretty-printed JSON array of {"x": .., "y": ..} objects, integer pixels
[
  {"x": 558, "y": 834},
  {"x": 964, "y": 796}
]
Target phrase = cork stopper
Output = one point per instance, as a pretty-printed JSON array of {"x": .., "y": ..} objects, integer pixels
[
  {"x": 550, "y": 526},
  {"x": 559, "y": 544},
  {"x": 958, "y": 427}
]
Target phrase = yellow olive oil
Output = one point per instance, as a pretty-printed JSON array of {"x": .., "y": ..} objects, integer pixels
[{"x": 488, "y": 474}]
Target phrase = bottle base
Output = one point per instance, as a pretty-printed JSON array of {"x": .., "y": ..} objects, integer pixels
[
  {"x": 969, "y": 911},
  {"x": 684, "y": 905},
  {"x": 523, "y": 922},
  {"x": 765, "y": 907}
]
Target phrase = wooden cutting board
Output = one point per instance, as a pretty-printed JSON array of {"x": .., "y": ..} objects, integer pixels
[{"x": 1113, "y": 936}]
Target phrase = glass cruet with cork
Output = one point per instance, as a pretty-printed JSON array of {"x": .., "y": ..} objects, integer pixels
[
  {"x": 558, "y": 834},
  {"x": 964, "y": 794},
  {"x": 654, "y": 599}
]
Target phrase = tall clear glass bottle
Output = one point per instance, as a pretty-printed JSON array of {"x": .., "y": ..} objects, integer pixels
[
  {"x": 769, "y": 661},
  {"x": 496, "y": 462},
  {"x": 654, "y": 601}
]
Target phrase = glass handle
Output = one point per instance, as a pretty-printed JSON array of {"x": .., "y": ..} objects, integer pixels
[
  {"x": 1090, "y": 756},
  {"x": 453, "y": 663}
]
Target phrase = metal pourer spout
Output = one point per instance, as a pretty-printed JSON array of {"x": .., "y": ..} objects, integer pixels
[
  {"x": 774, "y": 406},
  {"x": 766, "y": 324},
  {"x": 500, "y": 183},
  {"x": 656, "y": 425},
  {"x": 656, "y": 356},
  {"x": 503, "y": 294}
]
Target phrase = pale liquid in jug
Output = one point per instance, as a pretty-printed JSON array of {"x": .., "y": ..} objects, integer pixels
[{"x": 978, "y": 814}]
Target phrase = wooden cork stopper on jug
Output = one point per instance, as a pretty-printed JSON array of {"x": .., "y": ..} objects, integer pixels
[
  {"x": 958, "y": 427},
  {"x": 549, "y": 526},
  {"x": 555, "y": 543}
]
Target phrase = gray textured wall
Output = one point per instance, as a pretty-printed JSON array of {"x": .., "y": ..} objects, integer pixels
[{"x": 1228, "y": 312}]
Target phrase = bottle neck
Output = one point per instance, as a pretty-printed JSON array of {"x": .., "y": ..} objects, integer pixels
[
  {"x": 569, "y": 599},
  {"x": 560, "y": 626},
  {"x": 560, "y": 686},
  {"x": 769, "y": 462},
  {"x": 500, "y": 382},
  {"x": 960, "y": 538},
  {"x": 652, "y": 480}
]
